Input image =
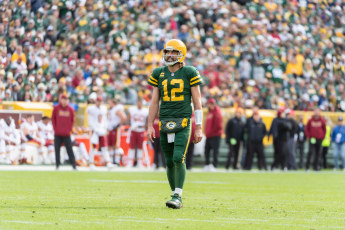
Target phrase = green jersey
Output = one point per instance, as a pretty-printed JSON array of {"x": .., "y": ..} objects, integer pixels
[{"x": 175, "y": 90}]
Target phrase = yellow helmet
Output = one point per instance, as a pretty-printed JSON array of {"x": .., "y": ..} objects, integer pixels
[{"x": 178, "y": 45}]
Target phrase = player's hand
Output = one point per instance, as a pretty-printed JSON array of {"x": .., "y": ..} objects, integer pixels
[
  {"x": 197, "y": 134},
  {"x": 151, "y": 133}
]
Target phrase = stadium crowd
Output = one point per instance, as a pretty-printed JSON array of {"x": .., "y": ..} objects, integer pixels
[{"x": 267, "y": 53}]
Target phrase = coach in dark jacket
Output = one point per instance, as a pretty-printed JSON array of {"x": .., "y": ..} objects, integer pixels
[
  {"x": 301, "y": 138},
  {"x": 63, "y": 121},
  {"x": 234, "y": 131},
  {"x": 274, "y": 132},
  {"x": 291, "y": 157},
  {"x": 284, "y": 128},
  {"x": 256, "y": 133}
]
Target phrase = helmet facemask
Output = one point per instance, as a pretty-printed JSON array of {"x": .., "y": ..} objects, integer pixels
[{"x": 178, "y": 56}]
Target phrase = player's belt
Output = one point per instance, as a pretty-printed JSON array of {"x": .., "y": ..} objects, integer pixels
[
  {"x": 172, "y": 125},
  {"x": 115, "y": 128}
]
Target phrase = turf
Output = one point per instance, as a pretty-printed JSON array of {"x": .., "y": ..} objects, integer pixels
[{"x": 114, "y": 200}]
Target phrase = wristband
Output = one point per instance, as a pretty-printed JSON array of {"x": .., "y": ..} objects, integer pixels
[{"x": 198, "y": 117}]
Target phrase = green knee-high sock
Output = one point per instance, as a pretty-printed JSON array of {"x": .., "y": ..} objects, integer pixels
[
  {"x": 171, "y": 177},
  {"x": 180, "y": 175}
]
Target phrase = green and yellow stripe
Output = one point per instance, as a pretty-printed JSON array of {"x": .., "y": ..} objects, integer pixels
[
  {"x": 194, "y": 78},
  {"x": 185, "y": 151},
  {"x": 196, "y": 81},
  {"x": 153, "y": 81}
]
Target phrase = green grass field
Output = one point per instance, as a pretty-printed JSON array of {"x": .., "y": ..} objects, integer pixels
[{"x": 132, "y": 200}]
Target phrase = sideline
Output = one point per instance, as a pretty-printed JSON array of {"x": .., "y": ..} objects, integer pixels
[{"x": 68, "y": 168}]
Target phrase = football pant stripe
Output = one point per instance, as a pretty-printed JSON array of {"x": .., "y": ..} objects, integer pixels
[
  {"x": 156, "y": 84},
  {"x": 194, "y": 82},
  {"x": 194, "y": 78},
  {"x": 190, "y": 132}
]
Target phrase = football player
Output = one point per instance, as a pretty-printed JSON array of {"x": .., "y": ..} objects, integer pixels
[
  {"x": 8, "y": 139},
  {"x": 97, "y": 120},
  {"x": 116, "y": 117},
  {"x": 30, "y": 134},
  {"x": 137, "y": 116},
  {"x": 176, "y": 86},
  {"x": 46, "y": 132}
]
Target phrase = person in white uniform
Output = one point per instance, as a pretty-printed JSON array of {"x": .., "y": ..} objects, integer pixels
[
  {"x": 137, "y": 116},
  {"x": 116, "y": 117},
  {"x": 97, "y": 120},
  {"x": 46, "y": 132},
  {"x": 30, "y": 134},
  {"x": 9, "y": 138}
]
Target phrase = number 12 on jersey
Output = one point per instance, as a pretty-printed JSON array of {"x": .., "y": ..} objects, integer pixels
[{"x": 178, "y": 89}]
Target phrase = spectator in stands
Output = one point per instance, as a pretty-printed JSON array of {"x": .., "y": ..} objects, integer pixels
[
  {"x": 50, "y": 37},
  {"x": 234, "y": 131},
  {"x": 213, "y": 132},
  {"x": 338, "y": 137},
  {"x": 315, "y": 131}
]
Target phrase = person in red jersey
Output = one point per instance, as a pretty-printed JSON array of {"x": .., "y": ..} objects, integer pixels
[
  {"x": 63, "y": 121},
  {"x": 315, "y": 131},
  {"x": 213, "y": 132}
]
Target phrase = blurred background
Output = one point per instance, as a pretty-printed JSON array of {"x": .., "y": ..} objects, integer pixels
[{"x": 266, "y": 54}]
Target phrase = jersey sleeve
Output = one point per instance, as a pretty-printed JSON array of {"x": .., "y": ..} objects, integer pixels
[
  {"x": 120, "y": 108},
  {"x": 195, "y": 78},
  {"x": 153, "y": 79}
]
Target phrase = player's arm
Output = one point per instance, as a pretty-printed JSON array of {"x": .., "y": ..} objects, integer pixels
[
  {"x": 129, "y": 116},
  {"x": 37, "y": 133},
  {"x": 196, "y": 96},
  {"x": 153, "y": 110},
  {"x": 54, "y": 119},
  {"x": 25, "y": 130},
  {"x": 39, "y": 127},
  {"x": 121, "y": 114},
  {"x": 90, "y": 119}
]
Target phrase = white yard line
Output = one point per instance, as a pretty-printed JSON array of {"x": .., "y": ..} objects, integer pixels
[
  {"x": 240, "y": 221},
  {"x": 26, "y": 222},
  {"x": 86, "y": 222},
  {"x": 153, "y": 181}
]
